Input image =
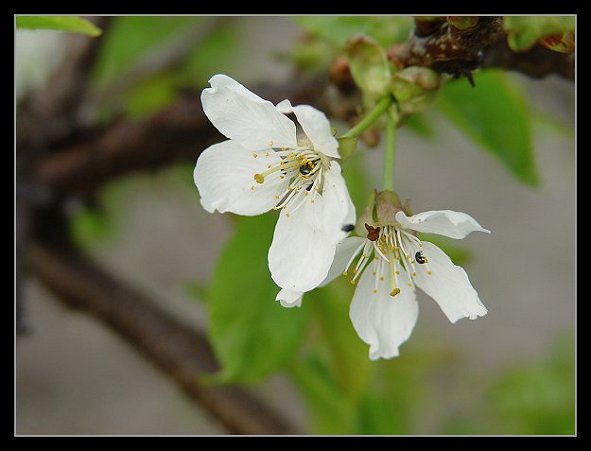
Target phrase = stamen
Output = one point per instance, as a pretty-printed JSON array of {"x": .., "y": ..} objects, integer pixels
[
  {"x": 394, "y": 290},
  {"x": 260, "y": 178},
  {"x": 361, "y": 246}
]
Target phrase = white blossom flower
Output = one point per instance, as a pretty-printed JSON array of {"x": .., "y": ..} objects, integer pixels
[
  {"x": 390, "y": 262},
  {"x": 267, "y": 163}
]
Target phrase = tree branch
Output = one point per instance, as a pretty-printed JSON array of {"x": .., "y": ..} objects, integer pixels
[
  {"x": 178, "y": 133},
  {"x": 538, "y": 62},
  {"x": 180, "y": 352},
  {"x": 478, "y": 42}
]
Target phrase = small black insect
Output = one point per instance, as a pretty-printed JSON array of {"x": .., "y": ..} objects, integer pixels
[
  {"x": 306, "y": 168},
  {"x": 348, "y": 227},
  {"x": 420, "y": 258},
  {"x": 309, "y": 187}
]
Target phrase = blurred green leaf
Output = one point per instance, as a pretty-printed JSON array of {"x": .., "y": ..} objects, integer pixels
[
  {"x": 330, "y": 410},
  {"x": 252, "y": 334},
  {"x": 349, "y": 362},
  {"x": 150, "y": 90},
  {"x": 495, "y": 115},
  {"x": 523, "y": 32},
  {"x": 386, "y": 30},
  {"x": 403, "y": 388},
  {"x": 62, "y": 23},
  {"x": 196, "y": 290},
  {"x": 131, "y": 38},
  {"x": 419, "y": 123},
  {"x": 538, "y": 398},
  {"x": 213, "y": 55},
  {"x": 151, "y": 95},
  {"x": 356, "y": 179},
  {"x": 89, "y": 225}
]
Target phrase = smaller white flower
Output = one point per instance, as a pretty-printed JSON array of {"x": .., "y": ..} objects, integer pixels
[
  {"x": 390, "y": 262},
  {"x": 267, "y": 164}
]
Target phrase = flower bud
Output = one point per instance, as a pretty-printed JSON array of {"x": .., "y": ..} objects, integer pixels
[
  {"x": 414, "y": 88},
  {"x": 381, "y": 211},
  {"x": 463, "y": 23},
  {"x": 369, "y": 66}
]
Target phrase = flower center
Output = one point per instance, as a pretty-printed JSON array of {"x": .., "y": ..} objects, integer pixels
[
  {"x": 391, "y": 247},
  {"x": 302, "y": 168}
]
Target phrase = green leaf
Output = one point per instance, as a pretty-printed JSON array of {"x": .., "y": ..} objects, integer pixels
[
  {"x": 252, "y": 335},
  {"x": 523, "y": 32},
  {"x": 356, "y": 179},
  {"x": 338, "y": 29},
  {"x": 420, "y": 124},
  {"x": 495, "y": 115},
  {"x": 135, "y": 44},
  {"x": 349, "y": 362},
  {"x": 539, "y": 397},
  {"x": 88, "y": 226},
  {"x": 130, "y": 39},
  {"x": 331, "y": 411},
  {"x": 63, "y": 23}
]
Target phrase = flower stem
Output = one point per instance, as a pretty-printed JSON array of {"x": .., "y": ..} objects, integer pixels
[
  {"x": 389, "y": 152},
  {"x": 368, "y": 120}
]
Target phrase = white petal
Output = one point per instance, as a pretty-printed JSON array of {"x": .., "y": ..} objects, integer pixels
[
  {"x": 224, "y": 175},
  {"x": 305, "y": 240},
  {"x": 315, "y": 126},
  {"x": 301, "y": 252},
  {"x": 442, "y": 222},
  {"x": 448, "y": 285},
  {"x": 343, "y": 254},
  {"x": 339, "y": 210},
  {"x": 243, "y": 116},
  {"x": 382, "y": 321},
  {"x": 289, "y": 298}
]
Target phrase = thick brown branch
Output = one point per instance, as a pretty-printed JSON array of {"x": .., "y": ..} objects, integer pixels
[
  {"x": 178, "y": 133},
  {"x": 180, "y": 352},
  {"x": 440, "y": 44},
  {"x": 538, "y": 62}
]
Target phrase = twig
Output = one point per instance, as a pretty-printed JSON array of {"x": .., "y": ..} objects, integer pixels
[
  {"x": 178, "y": 133},
  {"x": 438, "y": 44},
  {"x": 174, "y": 348},
  {"x": 538, "y": 62}
]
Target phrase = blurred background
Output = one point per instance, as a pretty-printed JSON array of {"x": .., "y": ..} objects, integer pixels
[{"x": 510, "y": 372}]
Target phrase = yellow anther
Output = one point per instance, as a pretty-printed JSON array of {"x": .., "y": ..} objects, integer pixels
[
  {"x": 259, "y": 178},
  {"x": 394, "y": 292}
]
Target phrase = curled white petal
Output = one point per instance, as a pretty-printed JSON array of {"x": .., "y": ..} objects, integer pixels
[
  {"x": 339, "y": 210},
  {"x": 245, "y": 117},
  {"x": 315, "y": 126},
  {"x": 224, "y": 176},
  {"x": 448, "y": 285},
  {"x": 382, "y": 321},
  {"x": 442, "y": 222},
  {"x": 289, "y": 299},
  {"x": 344, "y": 253}
]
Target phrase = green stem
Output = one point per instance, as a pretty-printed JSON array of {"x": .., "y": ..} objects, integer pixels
[
  {"x": 368, "y": 120},
  {"x": 389, "y": 153}
]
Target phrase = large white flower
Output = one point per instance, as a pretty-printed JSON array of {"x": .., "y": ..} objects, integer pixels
[
  {"x": 390, "y": 262},
  {"x": 267, "y": 163}
]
